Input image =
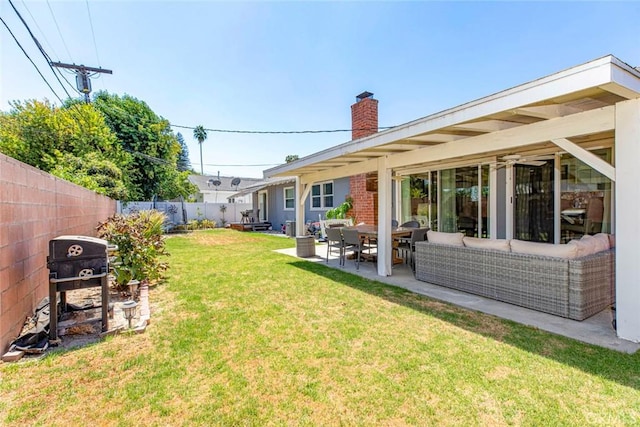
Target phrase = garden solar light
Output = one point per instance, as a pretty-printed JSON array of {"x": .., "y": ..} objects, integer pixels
[{"x": 129, "y": 308}]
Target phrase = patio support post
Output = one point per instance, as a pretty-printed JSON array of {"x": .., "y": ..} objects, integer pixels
[
  {"x": 493, "y": 203},
  {"x": 627, "y": 206},
  {"x": 384, "y": 217},
  {"x": 299, "y": 208}
]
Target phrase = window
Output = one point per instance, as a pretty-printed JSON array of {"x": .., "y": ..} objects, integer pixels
[
  {"x": 289, "y": 198},
  {"x": 322, "y": 195}
]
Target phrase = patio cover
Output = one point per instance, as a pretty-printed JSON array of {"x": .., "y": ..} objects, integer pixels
[
  {"x": 596, "y": 104},
  {"x": 261, "y": 185}
]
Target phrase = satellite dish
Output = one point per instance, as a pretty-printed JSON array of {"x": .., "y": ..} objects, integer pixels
[
  {"x": 236, "y": 182},
  {"x": 214, "y": 182}
]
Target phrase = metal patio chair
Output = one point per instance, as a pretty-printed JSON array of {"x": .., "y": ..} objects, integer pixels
[{"x": 334, "y": 241}]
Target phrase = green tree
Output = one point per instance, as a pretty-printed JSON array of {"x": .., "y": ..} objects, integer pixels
[
  {"x": 72, "y": 142},
  {"x": 184, "y": 164},
  {"x": 29, "y": 132},
  {"x": 200, "y": 134},
  {"x": 291, "y": 158},
  {"x": 93, "y": 172},
  {"x": 154, "y": 147}
]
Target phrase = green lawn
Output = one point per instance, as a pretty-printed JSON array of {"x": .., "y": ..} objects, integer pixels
[{"x": 241, "y": 335}]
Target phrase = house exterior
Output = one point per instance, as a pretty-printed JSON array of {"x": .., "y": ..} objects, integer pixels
[
  {"x": 522, "y": 163},
  {"x": 274, "y": 200},
  {"x": 219, "y": 189}
]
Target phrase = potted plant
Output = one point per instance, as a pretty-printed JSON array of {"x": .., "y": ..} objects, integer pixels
[
  {"x": 341, "y": 211},
  {"x": 417, "y": 197}
]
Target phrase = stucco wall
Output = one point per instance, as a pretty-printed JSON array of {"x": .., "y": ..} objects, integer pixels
[{"x": 34, "y": 208}]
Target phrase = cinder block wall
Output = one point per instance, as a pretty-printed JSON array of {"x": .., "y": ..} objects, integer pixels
[{"x": 34, "y": 208}]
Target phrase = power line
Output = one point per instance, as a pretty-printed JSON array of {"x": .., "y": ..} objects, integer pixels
[
  {"x": 82, "y": 76},
  {"x": 93, "y": 34},
  {"x": 40, "y": 29},
  {"x": 255, "y": 165},
  {"x": 35, "y": 40},
  {"x": 68, "y": 82},
  {"x": 30, "y": 60},
  {"x": 285, "y": 132},
  {"x": 59, "y": 32},
  {"x": 148, "y": 157}
]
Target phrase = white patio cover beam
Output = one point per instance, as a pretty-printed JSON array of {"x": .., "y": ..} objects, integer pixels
[
  {"x": 586, "y": 157},
  {"x": 299, "y": 209},
  {"x": 547, "y": 111},
  {"x": 306, "y": 189},
  {"x": 384, "y": 218},
  {"x": 588, "y": 122},
  {"x": 627, "y": 205},
  {"x": 592, "y": 121},
  {"x": 607, "y": 72},
  {"x": 342, "y": 171}
]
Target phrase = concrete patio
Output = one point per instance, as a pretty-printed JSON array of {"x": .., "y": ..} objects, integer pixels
[{"x": 596, "y": 330}]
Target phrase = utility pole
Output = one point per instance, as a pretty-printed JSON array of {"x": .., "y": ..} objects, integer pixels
[{"x": 82, "y": 76}]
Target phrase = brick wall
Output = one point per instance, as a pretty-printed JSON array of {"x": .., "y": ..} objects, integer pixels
[
  {"x": 364, "y": 122},
  {"x": 34, "y": 208}
]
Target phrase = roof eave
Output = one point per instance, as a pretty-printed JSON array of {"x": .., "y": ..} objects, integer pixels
[{"x": 608, "y": 73}]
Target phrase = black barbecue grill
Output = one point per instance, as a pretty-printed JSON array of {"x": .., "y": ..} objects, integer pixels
[{"x": 76, "y": 262}]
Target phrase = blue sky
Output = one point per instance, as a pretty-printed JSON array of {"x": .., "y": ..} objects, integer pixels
[{"x": 299, "y": 65}]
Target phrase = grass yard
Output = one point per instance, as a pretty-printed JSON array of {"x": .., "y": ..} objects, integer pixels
[{"x": 241, "y": 335}]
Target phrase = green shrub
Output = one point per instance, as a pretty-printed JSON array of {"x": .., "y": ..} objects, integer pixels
[
  {"x": 140, "y": 245},
  {"x": 207, "y": 223},
  {"x": 341, "y": 211}
]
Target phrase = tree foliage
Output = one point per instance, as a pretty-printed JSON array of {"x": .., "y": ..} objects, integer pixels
[
  {"x": 200, "y": 134},
  {"x": 93, "y": 172},
  {"x": 184, "y": 164},
  {"x": 152, "y": 144},
  {"x": 116, "y": 146},
  {"x": 72, "y": 142},
  {"x": 291, "y": 158}
]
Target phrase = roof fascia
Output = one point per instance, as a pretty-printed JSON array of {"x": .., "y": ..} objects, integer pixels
[
  {"x": 262, "y": 185},
  {"x": 596, "y": 73},
  {"x": 591, "y": 121}
]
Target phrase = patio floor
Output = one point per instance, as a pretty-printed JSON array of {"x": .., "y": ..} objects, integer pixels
[{"x": 595, "y": 330}]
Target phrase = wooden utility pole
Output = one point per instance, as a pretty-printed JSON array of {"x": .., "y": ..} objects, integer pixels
[{"x": 83, "y": 74}]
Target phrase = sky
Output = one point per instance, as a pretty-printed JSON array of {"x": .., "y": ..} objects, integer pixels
[{"x": 293, "y": 66}]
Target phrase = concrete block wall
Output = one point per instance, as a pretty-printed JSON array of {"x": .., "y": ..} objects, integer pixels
[{"x": 35, "y": 207}]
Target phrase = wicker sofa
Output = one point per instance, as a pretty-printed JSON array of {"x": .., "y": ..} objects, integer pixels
[{"x": 574, "y": 288}]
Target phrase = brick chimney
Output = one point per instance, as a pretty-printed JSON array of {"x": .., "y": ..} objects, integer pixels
[
  {"x": 364, "y": 122},
  {"x": 364, "y": 116}
]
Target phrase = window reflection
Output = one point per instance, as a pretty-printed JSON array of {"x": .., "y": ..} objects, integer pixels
[{"x": 585, "y": 200}]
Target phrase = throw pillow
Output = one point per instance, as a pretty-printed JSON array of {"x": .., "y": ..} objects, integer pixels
[
  {"x": 495, "y": 244},
  {"x": 453, "y": 239}
]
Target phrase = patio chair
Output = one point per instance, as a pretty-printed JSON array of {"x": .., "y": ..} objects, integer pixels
[
  {"x": 353, "y": 242},
  {"x": 334, "y": 241},
  {"x": 407, "y": 245},
  {"x": 411, "y": 224}
]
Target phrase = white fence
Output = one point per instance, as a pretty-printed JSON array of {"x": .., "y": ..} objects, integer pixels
[{"x": 180, "y": 213}]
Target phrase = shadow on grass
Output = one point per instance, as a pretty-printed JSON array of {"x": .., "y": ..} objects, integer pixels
[{"x": 609, "y": 364}]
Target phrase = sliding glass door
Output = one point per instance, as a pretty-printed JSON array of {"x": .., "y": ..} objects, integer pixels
[
  {"x": 533, "y": 202},
  {"x": 449, "y": 200},
  {"x": 585, "y": 199}
]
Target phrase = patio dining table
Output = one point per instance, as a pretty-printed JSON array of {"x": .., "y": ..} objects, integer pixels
[{"x": 370, "y": 233}]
